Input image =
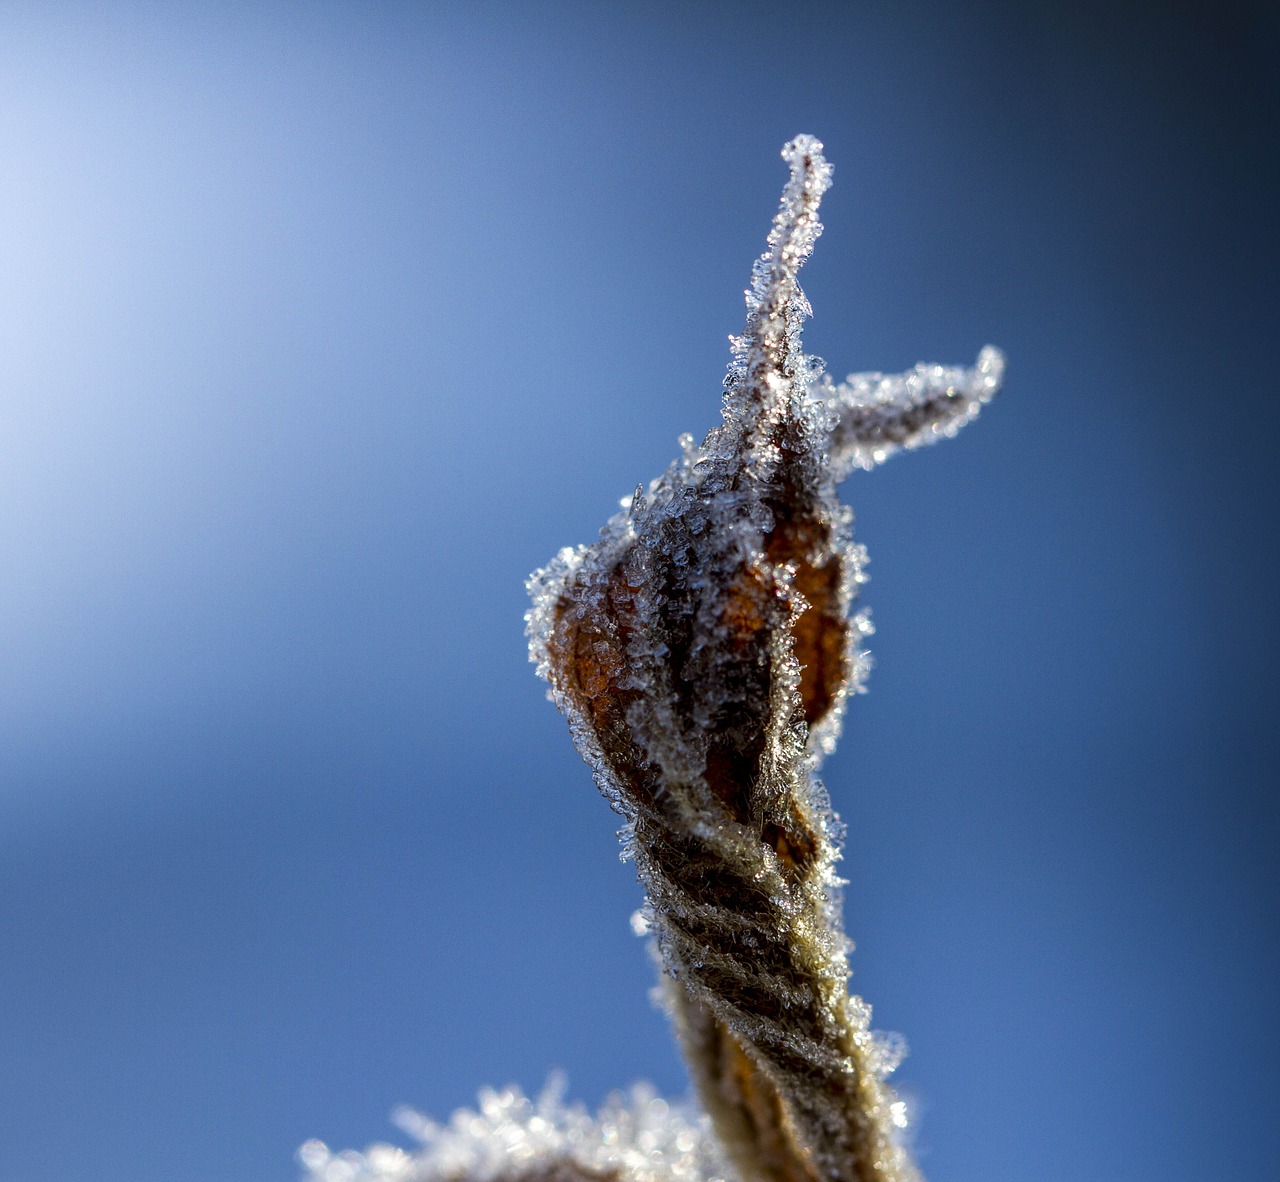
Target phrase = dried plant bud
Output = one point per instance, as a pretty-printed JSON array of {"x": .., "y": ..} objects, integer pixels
[{"x": 703, "y": 651}]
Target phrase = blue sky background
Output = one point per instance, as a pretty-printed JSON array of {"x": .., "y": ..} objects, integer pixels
[{"x": 321, "y": 325}]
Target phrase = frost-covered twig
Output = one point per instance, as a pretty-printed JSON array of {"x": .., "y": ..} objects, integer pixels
[
  {"x": 703, "y": 650},
  {"x": 876, "y": 413}
]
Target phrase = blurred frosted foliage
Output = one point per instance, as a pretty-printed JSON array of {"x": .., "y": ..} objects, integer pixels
[{"x": 635, "y": 1137}]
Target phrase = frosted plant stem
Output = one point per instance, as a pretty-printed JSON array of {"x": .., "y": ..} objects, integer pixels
[
  {"x": 877, "y": 414},
  {"x": 703, "y": 651}
]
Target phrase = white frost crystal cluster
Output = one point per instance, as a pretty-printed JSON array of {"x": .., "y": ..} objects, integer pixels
[
  {"x": 703, "y": 650},
  {"x": 509, "y": 1138}
]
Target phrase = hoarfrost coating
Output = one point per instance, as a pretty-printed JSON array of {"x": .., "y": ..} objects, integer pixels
[
  {"x": 703, "y": 651},
  {"x": 509, "y": 1138}
]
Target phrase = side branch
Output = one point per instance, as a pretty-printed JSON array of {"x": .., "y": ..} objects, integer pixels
[{"x": 877, "y": 414}]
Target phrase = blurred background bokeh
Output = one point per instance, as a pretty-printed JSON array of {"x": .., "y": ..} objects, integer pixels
[{"x": 322, "y": 324}]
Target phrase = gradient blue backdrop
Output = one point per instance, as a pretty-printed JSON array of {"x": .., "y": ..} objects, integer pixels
[{"x": 321, "y": 325}]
